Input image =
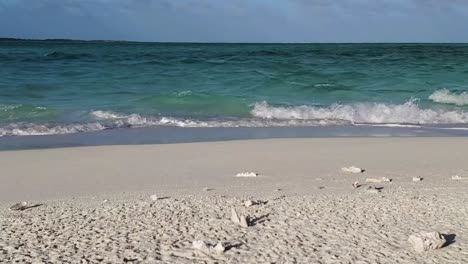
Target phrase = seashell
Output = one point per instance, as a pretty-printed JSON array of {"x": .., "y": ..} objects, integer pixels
[
  {"x": 374, "y": 180},
  {"x": 456, "y": 177},
  {"x": 247, "y": 174},
  {"x": 19, "y": 206},
  {"x": 242, "y": 220},
  {"x": 234, "y": 216},
  {"x": 248, "y": 203},
  {"x": 207, "y": 248},
  {"x": 352, "y": 169},
  {"x": 356, "y": 185},
  {"x": 219, "y": 248},
  {"x": 416, "y": 179},
  {"x": 201, "y": 245},
  {"x": 425, "y": 241},
  {"x": 154, "y": 197}
]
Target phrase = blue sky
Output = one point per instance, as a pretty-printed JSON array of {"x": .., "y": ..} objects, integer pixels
[{"x": 238, "y": 20}]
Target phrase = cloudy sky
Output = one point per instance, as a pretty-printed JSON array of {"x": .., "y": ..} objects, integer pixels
[{"x": 238, "y": 20}]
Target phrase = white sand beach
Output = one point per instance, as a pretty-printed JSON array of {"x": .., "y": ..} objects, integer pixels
[{"x": 94, "y": 203}]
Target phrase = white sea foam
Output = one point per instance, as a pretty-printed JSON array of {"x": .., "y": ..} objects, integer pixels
[
  {"x": 109, "y": 120},
  {"x": 31, "y": 129},
  {"x": 444, "y": 96},
  {"x": 323, "y": 85},
  {"x": 263, "y": 115},
  {"x": 364, "y": 113}
]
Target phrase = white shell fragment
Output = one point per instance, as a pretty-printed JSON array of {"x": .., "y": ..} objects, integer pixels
[
  {"x": 207, "y": 248},
  {"x": 248, "y": 203},
  {"x": 379, "y": 180},
  {"x": 154, "y": 197},
  {"x": 219, "y": 248},
  {"x": 456, "y": 177},
  {"x": 425, "y": 241},
  {"x": 200, "y": 245},
  {"x": 416, "y": 179},
  {"x": 247, "y": 174},
  {"x": 352, "y": 169},
  {"x": 356, "y": 185},
  {"x": 19, "y": 206},
  {"x": 239, "y": 220}
]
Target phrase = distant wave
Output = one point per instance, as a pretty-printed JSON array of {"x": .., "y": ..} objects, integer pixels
[
  {"x": 67, "y": 56},
  {"x": 444, "y": 96},
  {"x": 364, "y": 113}
]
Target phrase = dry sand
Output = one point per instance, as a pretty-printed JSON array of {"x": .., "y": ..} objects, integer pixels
[{"x": 96, "y": 204}]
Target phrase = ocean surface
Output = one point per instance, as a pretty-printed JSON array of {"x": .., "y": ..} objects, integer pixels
[{"x": 64, "y": 87}]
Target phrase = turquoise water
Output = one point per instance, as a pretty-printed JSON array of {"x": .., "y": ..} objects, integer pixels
[{"x": 56, "y": 87}]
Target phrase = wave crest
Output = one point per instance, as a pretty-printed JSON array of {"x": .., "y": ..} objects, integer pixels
[
  {"x": 371, "y": 113},
  {"x": 444, "y": 96}
]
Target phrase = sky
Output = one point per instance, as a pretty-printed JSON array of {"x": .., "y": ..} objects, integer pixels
[{"x": 238, "y": 20}]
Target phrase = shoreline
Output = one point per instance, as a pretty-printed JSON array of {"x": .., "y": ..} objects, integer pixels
[{"x": 171, "y": 135}]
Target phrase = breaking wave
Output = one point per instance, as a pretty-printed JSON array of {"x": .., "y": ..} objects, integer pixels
[
  {"x": 408, "y": 114},
  {"x": 364, "y": 113},
  {"x": 444, "y": 96},
  {"x": 110, "y": 120}
]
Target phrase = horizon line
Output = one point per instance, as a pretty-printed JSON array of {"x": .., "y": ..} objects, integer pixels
[{"x": 215, "y": 42}]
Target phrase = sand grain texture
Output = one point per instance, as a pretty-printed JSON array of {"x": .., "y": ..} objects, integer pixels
[{"x": 300, "y": 224}]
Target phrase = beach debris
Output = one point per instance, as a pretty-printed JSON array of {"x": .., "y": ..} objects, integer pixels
[
  {"x": 425, "y": 241},
  {"x": 219, "y": 248},
  {"x": 201, "y": 245},
  {"x": 456, "y": 177},
  {"x": 356, "y": 185},
  {"x": 247, "y": 174},
  {"x": 416, "y": 179},
  {"x": 154, "y": 197},
  {"x": 20, "y": 206},
  {"x": 249, "y": 203},
  {"x": 371, "y": 189},
  {"x": 207, "y": 189},
  {"x": 105, "y": 201},
  {"x": 207, "y": 248},
  {"x": 378, "y": 180},
  {"x": 239, "y": 220},
  {"x": 352, "y": 169}
]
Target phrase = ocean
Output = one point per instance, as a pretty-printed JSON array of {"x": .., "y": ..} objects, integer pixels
[{"x": 55, "y": 87}]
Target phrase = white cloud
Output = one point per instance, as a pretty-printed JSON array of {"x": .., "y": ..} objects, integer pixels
[{"x": 238, "y": 20}]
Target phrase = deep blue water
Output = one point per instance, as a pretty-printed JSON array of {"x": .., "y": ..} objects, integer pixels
[{"x": 58, "y": 87}]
